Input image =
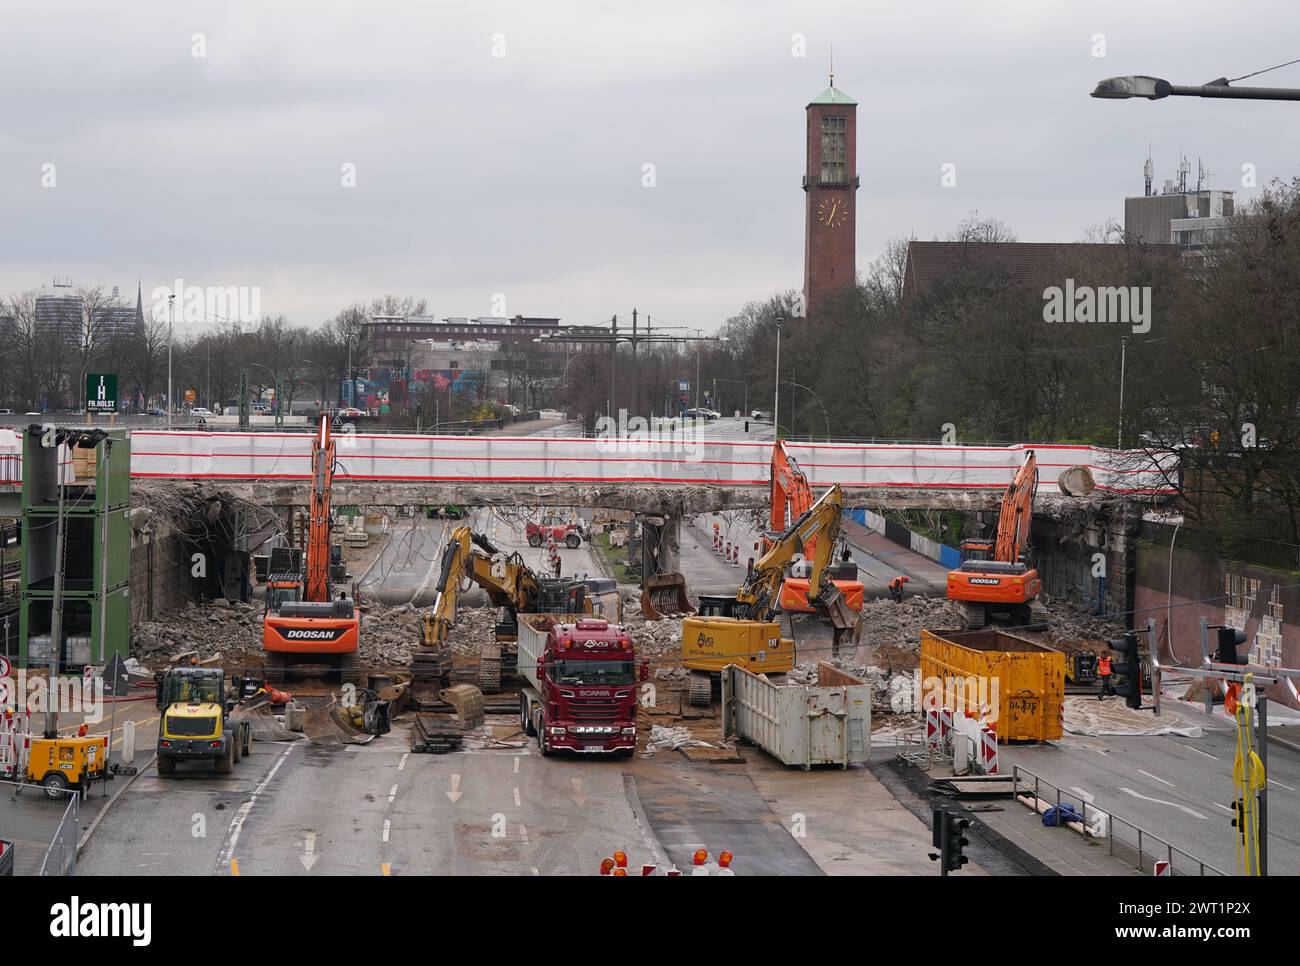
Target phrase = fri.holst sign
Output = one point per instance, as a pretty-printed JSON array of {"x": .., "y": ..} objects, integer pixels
[{"x": 101, "y": 392}]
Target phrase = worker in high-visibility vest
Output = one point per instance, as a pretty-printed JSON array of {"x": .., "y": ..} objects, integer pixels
[
  {"x": 1104, "y": 676},
  {"x": 896, "y": 589}
]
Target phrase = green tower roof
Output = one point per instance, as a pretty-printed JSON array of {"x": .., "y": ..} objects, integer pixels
[{"x": 832, "y": 95}]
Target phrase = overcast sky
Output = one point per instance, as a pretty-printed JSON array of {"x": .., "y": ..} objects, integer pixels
[{"x": 522, "y": 174}]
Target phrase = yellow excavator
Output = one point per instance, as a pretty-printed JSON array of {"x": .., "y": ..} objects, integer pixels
[
  {"x": 740, "y": 630},
  {"x": 514, "y": 589}
]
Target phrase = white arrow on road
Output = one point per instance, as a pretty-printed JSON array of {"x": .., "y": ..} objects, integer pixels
[
  {"x": 1160, "y": 801},
  {"x": 455, "y": 792},
  {"x": 577, "y": 796},
  {"x": 309, "y": 856}
]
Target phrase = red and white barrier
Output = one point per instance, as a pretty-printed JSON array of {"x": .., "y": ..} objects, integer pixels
[
  {"x": 988, "y": 750},
  {"x": 945, "y": 730},
  {"x": 933, "y": 737}
]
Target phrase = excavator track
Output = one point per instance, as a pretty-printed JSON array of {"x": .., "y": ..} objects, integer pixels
[
  {"x": 273, "y": 668},
  {"x": 700, "y": 694},
  {"x": 351, "y": 671},
  {"x": 489, "y": 669}
]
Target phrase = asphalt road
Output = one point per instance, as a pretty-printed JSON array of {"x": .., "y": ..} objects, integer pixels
[
  {"x": 406, "y": 569},
  {"x": 1178, "y": 788}
]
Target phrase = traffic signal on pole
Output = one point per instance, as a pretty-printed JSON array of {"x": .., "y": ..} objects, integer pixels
[
  {"x": 1239, "y": 818},
  {"x": 1130, "y": 666},
  {"x": 1230, "y": 638},
  {"x": 954, "y": 842}
]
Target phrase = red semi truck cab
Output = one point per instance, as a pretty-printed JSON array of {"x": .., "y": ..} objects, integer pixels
[{"x": 582, "y": 678}]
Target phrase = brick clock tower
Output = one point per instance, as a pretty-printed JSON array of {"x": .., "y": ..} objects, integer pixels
[{"x": 830, "y": 183}]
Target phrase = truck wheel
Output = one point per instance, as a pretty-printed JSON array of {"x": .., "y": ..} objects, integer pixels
[
  {"x": 55, "y": 783},
  {"x": 248, "y": 741},
  {"x": 166, "y": 766},
  {"x": 525, "y": 719},
  {"x": 236, "y": 748},
  {"x": 226, "y": 763},
  {"x": 534, "y": 540},
  {"x": 572, "y": 541}
]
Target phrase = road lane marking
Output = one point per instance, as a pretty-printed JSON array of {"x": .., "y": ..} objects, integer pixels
[
  {"x": 516, "y": 766},
  {"x": 1160, "y": 801},
  {"x": 1197, "y": 751},
  {"x": 523, "y": 833},
  {"x": 1157, "y": 778},
  {"x": 1274, "y": 781},
  {"x": 387, "y": 825},
  {"x": 392, "y": 793},
  {"x": 1081, "y": 793},
  {"x": 1224, "y": 807},
  {"x": 516, "y": 796},
  {"x": 455, "y": 792},
  {"x": 309, "y": 856},
  {"x": 237, "y": 823},
  {"x": 401, "y": 765}
]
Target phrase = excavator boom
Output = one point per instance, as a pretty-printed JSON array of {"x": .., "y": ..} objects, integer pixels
[
  {"x": 1017, "y": 512},
  {"x": 317, "y": 582}
]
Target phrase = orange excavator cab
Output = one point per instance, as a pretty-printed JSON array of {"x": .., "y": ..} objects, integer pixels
[{"x": 993, "y": 580}]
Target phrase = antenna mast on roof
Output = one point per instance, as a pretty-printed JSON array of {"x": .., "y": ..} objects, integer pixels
[{"x": 1147, "y": 171}]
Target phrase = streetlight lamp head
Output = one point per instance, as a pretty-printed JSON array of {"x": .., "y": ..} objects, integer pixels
[{"x": 1134, "y": 85}]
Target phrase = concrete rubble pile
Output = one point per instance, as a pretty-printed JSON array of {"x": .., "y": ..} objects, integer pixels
[
  {"x": 876, "y": 677},
  {"x": 231, "y": 631},
  {"x": 653, "y": 638},
  {"x": 899, "y": 625}
]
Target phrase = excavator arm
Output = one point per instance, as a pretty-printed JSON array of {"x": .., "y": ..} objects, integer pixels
[
  {"x": 1017, "y": 513},
  {"x": 507, "y": 580},
  {"x": 820, "y": 526},
  {"x": 317, "y": 582},
  {"x": 791, "y": 494}
]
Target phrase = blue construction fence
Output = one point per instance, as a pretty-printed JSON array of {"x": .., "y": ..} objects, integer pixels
[{"x": 949, "y": 557}]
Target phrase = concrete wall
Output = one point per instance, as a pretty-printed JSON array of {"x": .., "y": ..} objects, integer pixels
[
  {"x": 1262, "y": 601},
  {"x": 160, "y": 575},
  {"x": 1070, "y": 571}
]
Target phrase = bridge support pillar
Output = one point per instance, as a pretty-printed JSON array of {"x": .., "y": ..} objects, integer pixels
[{"x": 661, "y": 542}]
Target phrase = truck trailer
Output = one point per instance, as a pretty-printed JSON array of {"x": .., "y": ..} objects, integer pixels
[{"x": 581, "y": 691}]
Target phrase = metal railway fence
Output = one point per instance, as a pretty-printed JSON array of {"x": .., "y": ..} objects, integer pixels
[{"x": 39, "y": 830}]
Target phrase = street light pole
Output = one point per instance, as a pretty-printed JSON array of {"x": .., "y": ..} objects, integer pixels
[
  {"x": 776, "y": 404},
  {"x": 1157, "y": 88},
  {"x": 171, "y": 306},
  {"x": 1123, "y": 352}
]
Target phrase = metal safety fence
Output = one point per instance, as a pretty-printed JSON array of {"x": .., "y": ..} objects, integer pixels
[
  {"x": 1127, "y": 840},
  {"x": 38, "y": 829}
]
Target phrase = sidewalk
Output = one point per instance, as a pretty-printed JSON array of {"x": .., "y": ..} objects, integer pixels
[
  {"x": 847, "y": 821},
  {"x": 1061, "y": 849},
  {"x": 929, "y": 577}
]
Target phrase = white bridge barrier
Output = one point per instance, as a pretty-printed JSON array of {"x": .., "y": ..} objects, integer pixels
[{"x": 503, "y": 459}]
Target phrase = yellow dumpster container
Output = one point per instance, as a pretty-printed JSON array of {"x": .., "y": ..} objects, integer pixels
[{"x": 1023, "y": 681}]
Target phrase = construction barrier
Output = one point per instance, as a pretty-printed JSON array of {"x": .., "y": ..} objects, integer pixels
[{"x": 503, "y": 459}]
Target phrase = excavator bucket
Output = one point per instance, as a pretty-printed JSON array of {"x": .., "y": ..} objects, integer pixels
[{"x": 664, "y": 595}]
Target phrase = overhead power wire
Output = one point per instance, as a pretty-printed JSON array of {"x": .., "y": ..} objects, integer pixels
[{"x": 1264, "y": 71}]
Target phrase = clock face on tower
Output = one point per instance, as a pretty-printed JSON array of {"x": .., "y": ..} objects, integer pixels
[{"x": 833, "y": 212}]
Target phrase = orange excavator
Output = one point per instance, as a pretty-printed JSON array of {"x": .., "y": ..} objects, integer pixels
[
  {"x": 303, "y": 624},
  {"x": 791, "y": 499},
  {"x": 1002, "y": 585}
]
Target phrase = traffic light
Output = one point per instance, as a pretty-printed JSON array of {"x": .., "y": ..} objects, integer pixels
[
  {"x": 948, "y": 836},
  {"x": 1229, "y": 640},
  {"x": 1130, "y": 666},
  {"x": 954, "y": 842}
]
